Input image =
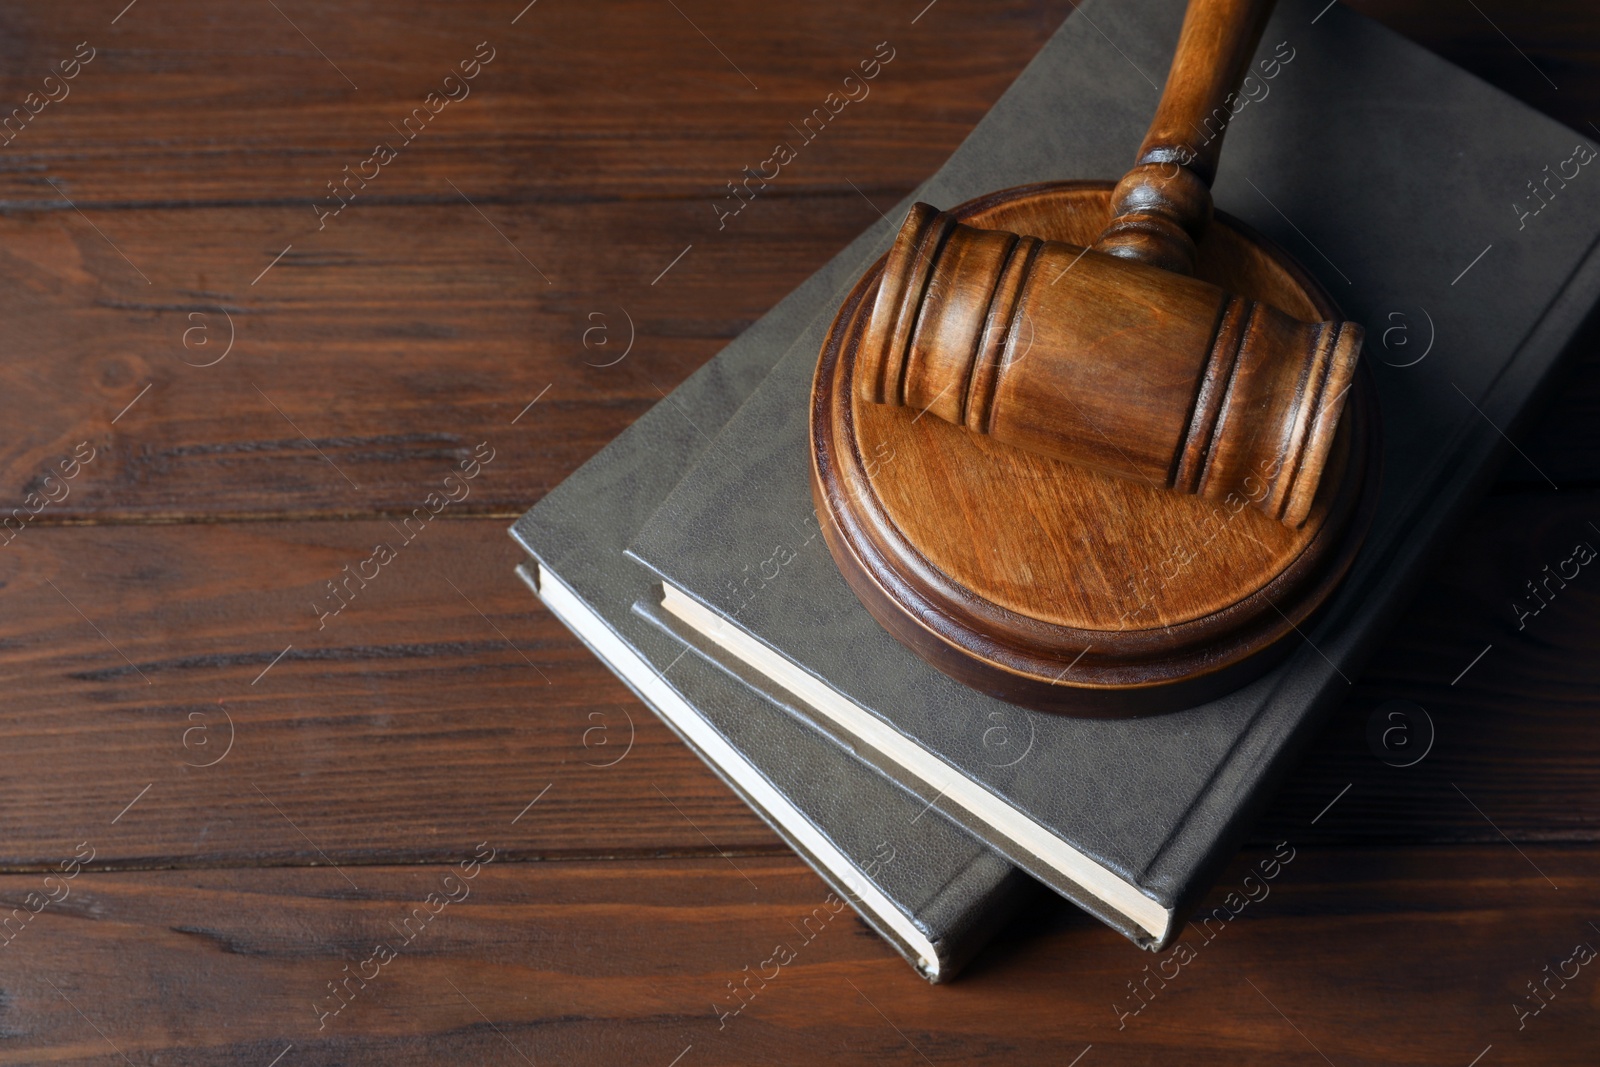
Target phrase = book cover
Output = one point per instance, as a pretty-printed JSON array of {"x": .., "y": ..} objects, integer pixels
[
  {"x": 925, "y": 884},
  {"x": 1446, "y": 217}
]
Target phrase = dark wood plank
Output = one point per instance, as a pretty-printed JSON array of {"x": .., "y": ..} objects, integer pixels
[
  {"x": 191, "y": 105},
  {"x": 386, "y": 365},
  {"x": 409, "y": 329},
  {"x": 187, "y": 105},
  {"x": 386, "y": 735},
  {"x": 1366, "y": 956},
  {"x": 1513, "y": 732},
  {"x": 364, "y": 370},
  {"x": 410, "y": 729}
]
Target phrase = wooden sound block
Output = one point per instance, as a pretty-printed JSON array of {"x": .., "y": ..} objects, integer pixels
[{"x": 1061, "y": 588}]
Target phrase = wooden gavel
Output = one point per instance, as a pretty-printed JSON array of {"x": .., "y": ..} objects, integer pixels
[{"x": 1115, "y": 357}]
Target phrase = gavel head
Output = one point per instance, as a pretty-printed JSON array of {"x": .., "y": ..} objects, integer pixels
[{"x": 1107, "y": 362}]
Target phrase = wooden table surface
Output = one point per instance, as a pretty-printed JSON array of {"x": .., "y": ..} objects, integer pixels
[{"x": 264, "y": 386}]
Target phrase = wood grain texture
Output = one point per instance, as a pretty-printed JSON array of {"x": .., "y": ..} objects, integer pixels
[
  {"x": 1501, "y": 722},
  {"x": 506, "y": 250},
  {"x": 386, "y": 734},
  {"x": 1022, "y": 332},
  {"x": 629, "y": 962},
  {"x": 192, "y": 106},
  {"x": 1161, "y": 207},
  {"x": 1055, "y": 585},
  {"x": 361, "y": 732},
  {"x": 363, "y": 366},
  {"x": 409, "y": 730},
  {"x": 201, "y": 189}
]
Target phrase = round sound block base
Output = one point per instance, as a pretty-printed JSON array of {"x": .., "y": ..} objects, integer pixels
[{"x": 1056, "y": 587}]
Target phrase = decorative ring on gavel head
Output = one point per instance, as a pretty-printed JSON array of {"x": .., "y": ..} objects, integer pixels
[{"x": 1107, "y": 363}]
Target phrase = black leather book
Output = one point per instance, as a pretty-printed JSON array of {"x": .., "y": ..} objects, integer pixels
[
  {"x": 1458, "y": 225},
  {"x": 930, "y": 888}
]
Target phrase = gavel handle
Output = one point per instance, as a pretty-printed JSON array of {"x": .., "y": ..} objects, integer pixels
[{"x": 1161, "y": 207}]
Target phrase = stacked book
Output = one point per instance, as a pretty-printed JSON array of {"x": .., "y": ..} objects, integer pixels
[{"x": 1449, "y": 219}]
